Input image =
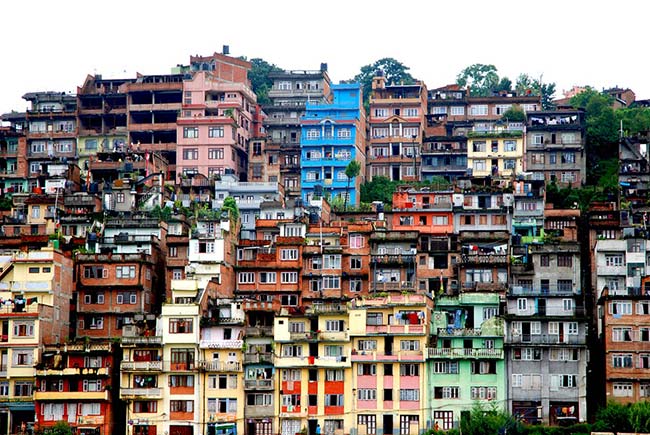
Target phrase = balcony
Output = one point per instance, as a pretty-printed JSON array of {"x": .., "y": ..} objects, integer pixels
[
  {"x": 484, "y": 259},
  {"x": 258, "y": 358},
  {"x": 393, "y": 286},
  {"x": 259, "y": 411},
  {"x": 71, "y": 371},
  {"x": 460, "y": 332},
  {"x": 220, "y": 366},
  {"x": 260, "y": 331},
  {"x": 395, "y": 329},
  {"x": 464, "y": 353},
  {"x": 259, "y": 384},
  {"x": 155, "y": 340},
  {"x": 393, "y": 300},
  {"x": 309, "y": 361},
  {"x": 141, "y": 366},
  {"x": 363, "y": 356},
  {"x": 141, "y": 393},
  {"x": 221, "y": 344},
  {"x": 543, "y": 291},
  {"x": 66, "y": 395},
  {"x": 393, "y": 259},
  {"x": 327, "y": 308},
  {"x": 546, "y": 339}
]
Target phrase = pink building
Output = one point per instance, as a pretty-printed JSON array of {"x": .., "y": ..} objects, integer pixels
[{"x": 215, "y": 124}]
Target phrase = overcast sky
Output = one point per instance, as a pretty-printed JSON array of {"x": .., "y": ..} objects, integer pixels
[{"x": 53, "y": 45}]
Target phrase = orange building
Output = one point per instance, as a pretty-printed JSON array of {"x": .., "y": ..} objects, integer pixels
[{"x": 111, "y": 289}]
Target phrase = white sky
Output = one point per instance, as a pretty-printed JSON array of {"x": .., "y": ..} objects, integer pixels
[{"x": 53, "y": 45}]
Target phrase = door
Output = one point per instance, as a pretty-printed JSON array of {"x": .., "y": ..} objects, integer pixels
[
  {"x": 388, "y": 347},
  {"x": 541, "y": 307},
  {"x": 388, "y": 424}
]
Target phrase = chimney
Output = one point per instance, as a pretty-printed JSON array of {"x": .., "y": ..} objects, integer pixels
[
  {"x": 323, "y": 67},
  {"x": 225, "y": 50}
]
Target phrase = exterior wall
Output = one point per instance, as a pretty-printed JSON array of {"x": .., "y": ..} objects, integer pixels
[
  {"x": 488, "y": 155},
  {"x": 332, "y": 136},
  {"x": 215, "y": 126}
]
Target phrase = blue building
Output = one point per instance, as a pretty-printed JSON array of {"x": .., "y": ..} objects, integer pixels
[{"x": 332, "y": 135}]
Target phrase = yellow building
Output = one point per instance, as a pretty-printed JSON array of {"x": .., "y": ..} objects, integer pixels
[
  {"x": 313, "y": 365},
  {"x": 35, "y": 293},
  {"x": 389, "y": 336},
  {"x": 497, "y": 152}
]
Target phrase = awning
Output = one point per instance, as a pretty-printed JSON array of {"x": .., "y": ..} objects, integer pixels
[{"x": 18, "y": 406}]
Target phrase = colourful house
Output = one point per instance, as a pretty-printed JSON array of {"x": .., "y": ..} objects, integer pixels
[{"x": 333, "y": 135}]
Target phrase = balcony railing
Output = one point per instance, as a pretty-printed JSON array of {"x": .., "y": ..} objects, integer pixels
[
  {"x": 464, "y": 353},
  {"x": 220, "y": 366},
  {"x": 148, "y": 393},
  {"x": 221, "y": 344},
  {"x": 546, "y": 339},
  {"x": 484, "y": 258},
  {"x": 156, "y": 339},
  {"x": 141, "y": 365},
  {"x": 257, "y": 358},
  {"x": 395, "y": 329},
  {"x": 258, "y": 384}
]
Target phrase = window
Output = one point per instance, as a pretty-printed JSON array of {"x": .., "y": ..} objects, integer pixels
[
  {"x": 181, "y": 405},
  {"x": 409, "y": 395},
  {"x": 291, "y": 350},
  {"x": 181, "y": 380},
  {"x": 478, "y": 109},
  {"x": 268, "y": 277},
  {"x": 246, "y": 277},
  {"x": 369, "y": 421},
  {"x": 621, "y": 308},
  {"x": 145, "y": 407},
  {"x": 343, "y": 133},
  {"x": 92, "y": 385},
  {"x": 411, "y": 111},
  {"x": 446, "y": 367},
  {"x": 409, "y": 370},
  {"x": 544, "y": 260},
  {"x": 216, "y": 132},
  {"x": 444, "y": 419},
  {"x": 331, "y": 261},
  {"x": 527, "y": 354},
  {"x": 446, "y": 392},
  {"x": 124, "y": 272},
  {"x": 367, "y": 394},
  {"x": 215, "y": 153},
  {"x": 564, "y": 354},
  {"x": 522, "y": 304},
  {"x": 622, "y": 334},
  {"x": 509, "y": 145},
  {"x": 367, "y": 345},
  {"x": 259, "y": 399},
  {"x": 479, "y": 146},
  {"x": 23, "y": 329},
  {"x": 331, "y": 282},
  {"x": 181, "y": 325},
  {"x": 567, "y": 305},
  {"x": 333, "y": 399},
  {"x": 191, "y": 132},
  {"x": 312, "y": 133},
  {"x": 483, "y": 393},
  {"x": 190, "y": 154},
  {"x": 479, "y": 165},
  {"x": 614, "y": 260},
  {"x": 356, "y": 241},
  {"x": 355, "y": 263},
  {"x": 333, "y": 350},
  {"x": 509, "y": 164},
  {"x": 23, "y": 388},
  {"x": 563, "y": 381},
  {"x": 334, "y": 325},
  {"x": 367, "y": 369},
  {"x": 412, "y": 345},
  {"x": 381, "y": 113},
  {"x": 623, "y": 389},
  {"x": 289, "y": 300},
  {"x": 374, "y": 319},
  {"x": 622, "y": 360},
  {"x": 289, "y": 254},
  {"x": 484, "y": 367},
  {"x": 289, "y": 277},
  {"x": 457, "y": 110}
]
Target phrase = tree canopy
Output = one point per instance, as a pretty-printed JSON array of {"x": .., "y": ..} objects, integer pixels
[
  {"x": 230, "y": 205},
  {"x": 394, "y": 72},
  {"x": 259, "y": 77},
  {"x": 484, "y": 79}
]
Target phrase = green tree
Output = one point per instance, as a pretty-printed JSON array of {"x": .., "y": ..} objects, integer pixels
[
  {"x": 379, "y": 189},
  {"x": 259, "y": 77},
  {"x": 526, "y": 85},
  {"x": 394, "y": 71},
  {"x": 59, "y": 428},
  {"x": 482, "y": 79},
  {"x": 634, "y": 120},
  {"x": 640, "y": 417},
  {"x": 613, "y": 418},
  {"x": 514, "y": 114},
  {"x": 505, "y": 84},
  {"x": 489, "y": 419},
  {"x": 351, "y": 170},
  {"x": 230, "y": 205}
]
